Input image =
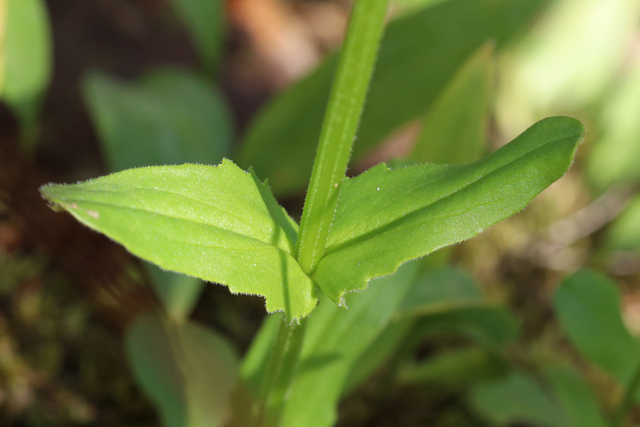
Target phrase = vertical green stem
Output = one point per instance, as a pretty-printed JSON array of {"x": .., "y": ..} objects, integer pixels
[
  {"x": 281, "y": 367},
  {"x": 290, "y": 359},
  {"x": 345, "y": 107}
]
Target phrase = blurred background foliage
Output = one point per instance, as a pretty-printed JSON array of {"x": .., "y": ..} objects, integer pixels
[{"x": 500, "y": 330}]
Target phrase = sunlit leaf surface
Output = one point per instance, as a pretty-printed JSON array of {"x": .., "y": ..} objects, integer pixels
[
  {"x": 169, "y": 116},
  {"x": 218, "y": 223},
  {"x": 386, "y": 217}
]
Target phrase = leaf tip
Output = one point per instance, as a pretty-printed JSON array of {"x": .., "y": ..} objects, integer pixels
[
  {"x": 50, "y": 193},
  {"x": 45, "y": 190},
  {"x": 566, "y": 126}
]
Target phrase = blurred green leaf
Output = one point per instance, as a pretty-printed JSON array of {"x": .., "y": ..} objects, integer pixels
[
  {"x": 588, "y": 306},
  {"x": 440, "y": 290},
  {"x": 490, "y": 326},
  {"x": 217, "y": 223},
  {"x": 436, "y": 290},
  {"x": 517, "y": 398},
  {"x": 25, "y": 64},
  {"x": 204, "y": 20},
  {"x": 387, "y": 217},
  {"x": 170, "y": 116},
  {"x": 26, "y": 51},
  {"x": 615, "y": 154},
  {"x": 179, "y": 293},
  {"x": 454, "y": 368},
  {"x": 379, "y": 351},
  {"x": 575, "y": 398},
  {"x": 418, "y": 56},
  {"x": 447, "y": 299},
  {"x": 4, "y": 17},
  {"x": 254, "y": 364},
  {"x": 187, "y": 370},
  {"x": 624, "y": 232},
  {"x": 403, "y": 7},
  {"x": 454, "y": 130},
  {"x": 336, "y": 338}
]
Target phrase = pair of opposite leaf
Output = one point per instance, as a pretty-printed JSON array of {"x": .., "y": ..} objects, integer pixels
[{"x": 223, "y": 225}]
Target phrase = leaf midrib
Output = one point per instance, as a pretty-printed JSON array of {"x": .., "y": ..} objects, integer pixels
[
  {"x": 406, "y": 217},
  {"x": 398, "y": 222},
  {"x": 174, "y": 193},
  {"x": 131, "y": 208}
]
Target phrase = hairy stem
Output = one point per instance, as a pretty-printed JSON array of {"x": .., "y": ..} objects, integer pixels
[
  {"x": 341, "y": 121},
  {"x": 345, "y": 107}
]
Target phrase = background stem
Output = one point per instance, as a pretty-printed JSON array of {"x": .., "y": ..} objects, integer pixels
[{"x": 282, "y": 364}]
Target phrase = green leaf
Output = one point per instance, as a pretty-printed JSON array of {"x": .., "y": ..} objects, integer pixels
[
  {"x": 388, "y": 217},
  {"x": 588, "y": 306},
  {"x": 624, "y": 232},
  {"x": 217, "y": 223},
  {"x": 517, "y": 398},
  {"x": 179, "y": 293},
  {"x": 25, "y": 64},
  {"x": 204, "y": 20},
  {"x": 170, "y": 116},
  {"x": 327, "y": 371},
  {"x": 455, "y": 368},
  {"x": 440, "y": 290},
  {"x": 335, "y": 340},
  {"x": 412, "y": 6},
  {"x": 448, "y": 299},
  {"x": 379, "y": 351},
  {"x": 254, "y": 364},
  {"x": 418, "y": 56},
  {"x": 492, "y": 327},
  {"x": 436, "y": 291},
  {"x": 4, "y": 17},
  {"x": 575, "y": 398},
  {"x": 615, "y": 155},
  {"x": 454, "y": 130},
  {"x": 26, "y": 52},
  {"x": 187, "y": 370}
]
